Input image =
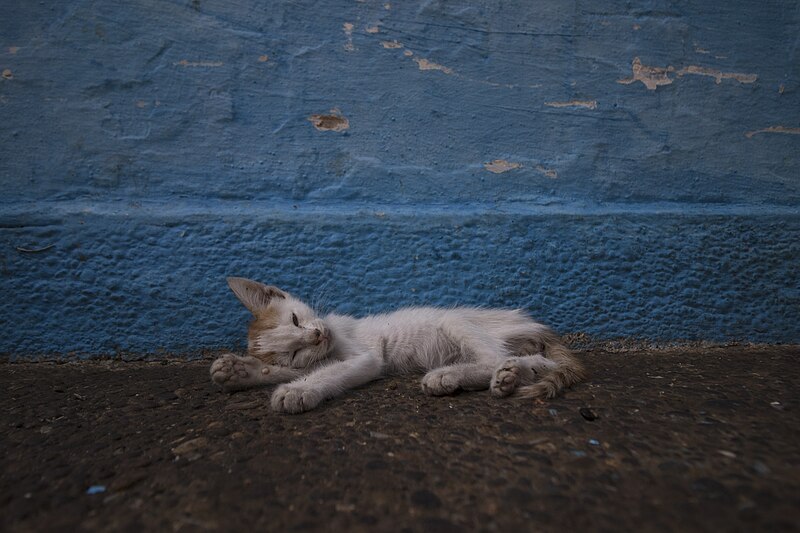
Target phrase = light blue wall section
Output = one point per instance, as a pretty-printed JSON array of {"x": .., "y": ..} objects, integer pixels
[{"x": 645, "y": 184}]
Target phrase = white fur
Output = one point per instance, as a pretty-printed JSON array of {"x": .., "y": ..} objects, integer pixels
[{"x": 460, "y": 348}]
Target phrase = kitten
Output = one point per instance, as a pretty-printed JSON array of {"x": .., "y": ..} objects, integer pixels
[{"x": 321, "y": 357}]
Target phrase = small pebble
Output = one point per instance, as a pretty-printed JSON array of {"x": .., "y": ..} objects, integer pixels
[
  {"x": 594, "y": 442},
  {"x": 96, "y": 489},
  {"x": 588, "y": 414}
]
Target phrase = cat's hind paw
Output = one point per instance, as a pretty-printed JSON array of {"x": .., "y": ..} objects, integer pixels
[
  {"x": 234, "y": 373},
  {"x": 440, "y": 382},
  {"x": 295, "y": 398},
  {"x": 506, "y": 379}
]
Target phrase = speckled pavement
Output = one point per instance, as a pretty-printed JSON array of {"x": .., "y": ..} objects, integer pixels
[{"x": 689, "y": 439}]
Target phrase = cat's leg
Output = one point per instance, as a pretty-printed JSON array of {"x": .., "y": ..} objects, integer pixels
[
  {"x": 308, "y": 392},
  {"x": 518, "y": 371},
  {"x": 466, "y": 376},
  {"x": 234, "y": 373}
]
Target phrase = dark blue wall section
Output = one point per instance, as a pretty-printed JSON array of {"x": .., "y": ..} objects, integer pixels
[{"x": 617, "y": 170}]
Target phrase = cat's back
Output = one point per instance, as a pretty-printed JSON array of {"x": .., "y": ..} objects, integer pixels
[{"x": 425, "y": 317}]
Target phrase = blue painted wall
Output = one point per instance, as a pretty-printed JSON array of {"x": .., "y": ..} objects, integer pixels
[{"x": 618, "y": 170}]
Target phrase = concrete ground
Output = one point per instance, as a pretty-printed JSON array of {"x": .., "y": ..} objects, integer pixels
[{"x": 700, "y": 439}]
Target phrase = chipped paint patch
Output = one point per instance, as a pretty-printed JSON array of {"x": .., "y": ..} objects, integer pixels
[
  {"x": 498, "y": 166},
  {"x": 549, "y": 172},
  {"x": 7, "y": 74},
  {"x": 347, "y": 27},
  {"x": 263, "y": 58},
  {"x": 424, "y": 64},
  {"x": 588, "y": 104},
  {"x": 141, "y": 104},
  {"x": 187, "y": 63},
  {"x": 651, "y": 77},
  {"x": 717, "y": 75},
  {"x": 774, "y": 129},
  {"x": 373, "y": 29},
  {"x": 335, "y": 121}
]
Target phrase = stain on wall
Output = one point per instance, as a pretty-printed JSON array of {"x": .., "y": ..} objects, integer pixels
[{"x": 244, "y": 117}]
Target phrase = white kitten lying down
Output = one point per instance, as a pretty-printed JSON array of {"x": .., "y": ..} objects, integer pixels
[{"x": 460, "y": 348}]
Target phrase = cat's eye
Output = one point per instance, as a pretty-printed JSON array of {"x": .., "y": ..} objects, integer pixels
[{"x": 295, "y": 321}]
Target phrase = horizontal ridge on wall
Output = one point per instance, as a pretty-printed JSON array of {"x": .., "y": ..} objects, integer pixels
[{"x": 99, "y": 278}]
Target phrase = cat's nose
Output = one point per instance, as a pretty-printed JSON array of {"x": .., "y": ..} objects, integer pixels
[{"x": 317, "y": 332}]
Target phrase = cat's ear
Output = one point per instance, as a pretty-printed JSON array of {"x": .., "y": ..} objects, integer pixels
[{"x": 254, "y": 295}]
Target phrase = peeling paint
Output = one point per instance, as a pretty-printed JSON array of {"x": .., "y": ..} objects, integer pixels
[
  {"x": 141, "y": 104},
  {"x": 717, "y": 75},
  {"x": 335, "y": 121},
  {"x": 774, "y": 129},
  {"x": 588, "y": 104},
  {"x": 187, "y": 63},
  {"x": 373, "y": 29},
  {"x": 549, "y": 172},
  {"x": 424, "y": 64},
  {"x": 498, "y": 166},
  {"x": 263, "y": 58},
  {"x": 7, "y": 74},
  {"x": 387, "y": 6},
  {"x": 651, "y": 77},
  {"x": 347, "y": 27}
]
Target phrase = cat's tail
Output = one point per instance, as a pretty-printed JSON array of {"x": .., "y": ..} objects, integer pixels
[{"x": 567, "y": 372}]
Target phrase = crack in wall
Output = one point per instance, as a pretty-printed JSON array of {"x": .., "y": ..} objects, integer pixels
[{"x": 187, "y": 63}]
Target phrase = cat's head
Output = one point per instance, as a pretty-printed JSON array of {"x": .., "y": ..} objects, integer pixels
[{"x": 284, "y": 330}]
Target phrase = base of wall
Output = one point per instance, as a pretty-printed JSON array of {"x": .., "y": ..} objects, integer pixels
[{"x": 88, "y": 279}]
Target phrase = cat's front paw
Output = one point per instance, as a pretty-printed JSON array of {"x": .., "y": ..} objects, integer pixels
[
  {"x": 440, "y": 382},
  {"x": 295, "y": 398},
  {"x": 235, "y": 373}
]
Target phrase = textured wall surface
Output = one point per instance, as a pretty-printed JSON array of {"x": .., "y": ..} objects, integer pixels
[{"x": 617, "y": 170}]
